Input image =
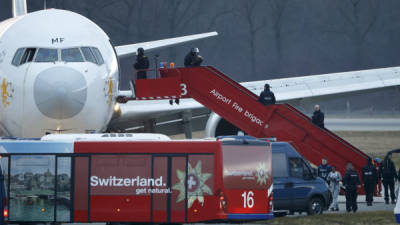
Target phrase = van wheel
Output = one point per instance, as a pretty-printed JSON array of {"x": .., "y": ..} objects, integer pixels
[{"x": 315, "y": 206}]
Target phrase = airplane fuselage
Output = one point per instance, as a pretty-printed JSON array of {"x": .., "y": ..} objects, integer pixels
[{"x": 58, "y": 72}]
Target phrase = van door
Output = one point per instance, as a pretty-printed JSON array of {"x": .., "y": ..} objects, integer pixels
[
  {"x": 301, "y": 187},
  {"x": 282, "y": 183}
]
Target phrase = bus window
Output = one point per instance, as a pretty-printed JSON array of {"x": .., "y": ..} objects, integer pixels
[
  {"x": 252, "y": 173},
  {"x": 121, "y": 175},
  {"x": 32, "y": 179},
  {"x": 63, "y": 202}
]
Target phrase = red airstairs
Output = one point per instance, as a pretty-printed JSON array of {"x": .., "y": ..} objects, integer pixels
[{"x": 240, "y": 107}]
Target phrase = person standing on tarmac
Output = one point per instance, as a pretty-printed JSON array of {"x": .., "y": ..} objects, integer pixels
[
  {"x": 351, "y": 181},
  {"x": 334, "y": 179},
  {"x": 388, "y": 175},
  {"x": 142, "y": 64},
  {"x": 369, "y": 177},
  {"x": 324, "y": 169},
  {"x": 318, "y": 117},
  {"x": 267, "y": 97},
  {"x": 193, "y": 58}
]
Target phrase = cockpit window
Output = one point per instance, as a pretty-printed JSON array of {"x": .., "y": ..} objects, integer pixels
[
  {"x": 46, "y": 55},
  {"x": 71, "y": 55},
  {"x": 89, "y": 55},
  {"x": 18, "y": 56},
  {"x": 97, "y": 53},
  {"x": 28, "y": 55},
  {"x": 23, "y": 55}
]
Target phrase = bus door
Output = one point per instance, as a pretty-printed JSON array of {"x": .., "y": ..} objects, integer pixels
[{"x": 169, "y": 198}]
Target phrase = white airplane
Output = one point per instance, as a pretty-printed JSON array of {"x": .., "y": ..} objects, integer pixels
[{"x": 59, "y": 73}]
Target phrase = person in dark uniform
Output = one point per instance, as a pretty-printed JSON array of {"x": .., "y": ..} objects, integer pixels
[
  {"x": 324, "y": 169},
  {"x": 267, "y": 97},
  {"x": 193, "y": 58},
  {"x": 388, "y": 175},
  {"x": 318, "y": 117},
  {"x": 142, "y": 64},
  {"x": 351, "y": 181},
  {"x": 369, "y": 177}
]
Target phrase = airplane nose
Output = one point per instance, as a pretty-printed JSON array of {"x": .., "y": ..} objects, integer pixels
[{"x": 60, "y": 92}]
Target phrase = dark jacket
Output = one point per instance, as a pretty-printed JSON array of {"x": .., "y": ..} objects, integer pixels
[
  {"x": 318, "y": 118},
  {"x": 192, "y": 60},
  {"x": 267, "y": 97},
  {"x": 351, "y": 180},
  {"x": 323, "y": 171},
  {"x": 387, "y": 170},
  {"x": 142, "y": 63},
  {"x": 369, "y": 174}
]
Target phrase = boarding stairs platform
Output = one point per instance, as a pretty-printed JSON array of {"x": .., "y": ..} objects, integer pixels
[{"x": 239, "y": 106}]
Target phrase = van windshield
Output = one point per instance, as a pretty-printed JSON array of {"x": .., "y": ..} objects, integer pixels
[{"x": 246, "y": 167}]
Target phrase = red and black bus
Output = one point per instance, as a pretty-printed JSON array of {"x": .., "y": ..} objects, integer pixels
[{"x": 136, "y": 181}]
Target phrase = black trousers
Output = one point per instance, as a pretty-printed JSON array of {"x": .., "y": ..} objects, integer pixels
[
  {"x": 369, "y": 191},
  {"x": 389, "y": 184},
  {"x": 351, "y": 199}
]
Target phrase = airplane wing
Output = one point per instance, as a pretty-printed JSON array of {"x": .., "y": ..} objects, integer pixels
[
  {"x": 128, "y": 50},
  {"x": 290, "y": 90}
]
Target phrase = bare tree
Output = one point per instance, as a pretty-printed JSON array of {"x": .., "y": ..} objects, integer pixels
[
  {"x": 360, "y": 19},
  {"x": 255, "y": 23}
]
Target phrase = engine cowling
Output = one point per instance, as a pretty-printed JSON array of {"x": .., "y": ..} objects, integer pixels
[{"x": 217, "y": 126}]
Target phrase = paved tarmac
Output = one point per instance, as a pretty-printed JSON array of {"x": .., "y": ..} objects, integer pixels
[
  {"x": 364, "y": 124},
  {"x": 378, "y": 205}
]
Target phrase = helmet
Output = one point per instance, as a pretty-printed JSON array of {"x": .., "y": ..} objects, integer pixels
[
  {"x": 140, "y": 51},
  {"x": 266, "y": 86},
  {"x": 195, "y": 50}
]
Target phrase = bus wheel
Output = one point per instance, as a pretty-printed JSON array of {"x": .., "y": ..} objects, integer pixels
[{"x": 315, "y": 206}]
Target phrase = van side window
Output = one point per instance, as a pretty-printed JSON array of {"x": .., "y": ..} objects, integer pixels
[
  {"x": 296, "y": 167},
  {"x": 279, "y": 165}
]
